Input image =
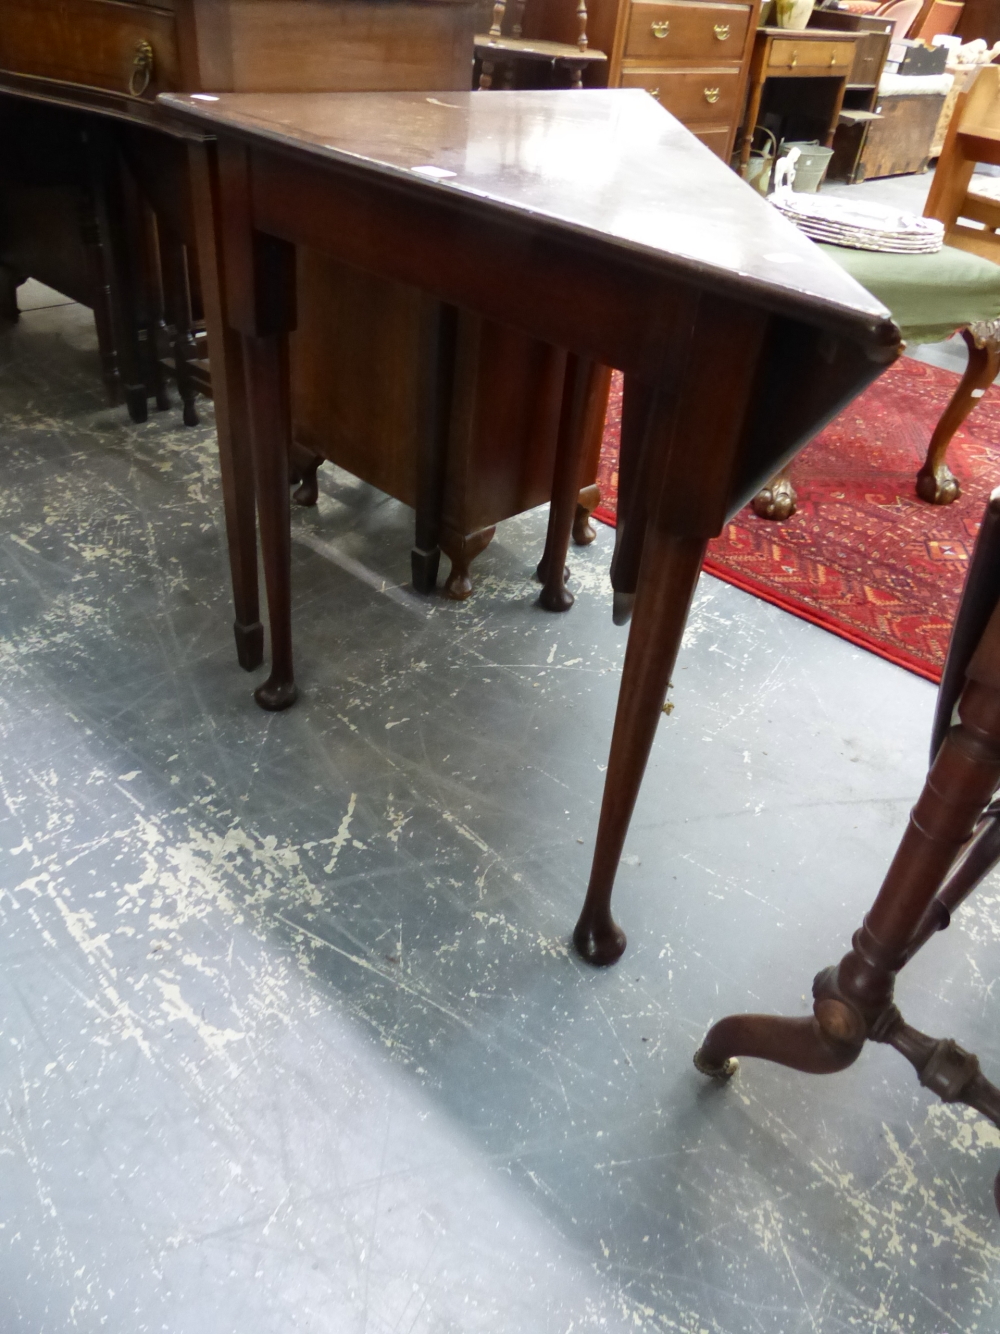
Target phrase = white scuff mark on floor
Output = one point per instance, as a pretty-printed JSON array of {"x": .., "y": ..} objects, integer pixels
[
  {"x": 343, "y": 834},
  {"x": 176, "y": 1007},
  {"x": 80, "y": 925},
  {"x": 397, "y": 820},
  {"x": 466, "y": 832}
]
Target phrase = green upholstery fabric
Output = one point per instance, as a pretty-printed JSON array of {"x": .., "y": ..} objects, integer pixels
[{"x": 930, "y": 296}]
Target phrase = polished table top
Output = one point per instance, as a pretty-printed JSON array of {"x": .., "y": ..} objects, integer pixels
[{"x": 611, "y": 164}]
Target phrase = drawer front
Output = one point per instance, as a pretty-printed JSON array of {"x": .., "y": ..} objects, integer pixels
[
  {"x": 716, "y": 138},
  {"x": 704, "y": 97},
  {"x": 789, "y": 57},
  {"x": 93, "y": 42},
  {"x": 683, "y": 30}
]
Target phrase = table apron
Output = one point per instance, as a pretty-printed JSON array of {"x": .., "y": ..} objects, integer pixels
[{"x": 566, "y": 290}]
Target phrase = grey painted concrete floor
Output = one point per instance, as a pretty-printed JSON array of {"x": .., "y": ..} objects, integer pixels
[{"x": 290, "y": 1033}]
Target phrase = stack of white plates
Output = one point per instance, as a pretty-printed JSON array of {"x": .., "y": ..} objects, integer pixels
[{"x": 858, "y": 226}]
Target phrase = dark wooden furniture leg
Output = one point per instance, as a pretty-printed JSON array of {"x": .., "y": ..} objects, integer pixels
[
  {"x": 552, "y": 571},
  {"x": 121, "y": 266},
  {"x": 266, "y": 361},
  {"x": 936, "y": 483},
  {"x": 657, "y": 564},
  {"x": 438, "y": 343},
  {"x": 177, "y": 302},
  {"x": 669, "y": 573},
  {"x": 462, "y": 549},
  {"x": 232, "y": 427},
  {"x": 934, "y": 869},
  {"x": 9, "y": 311},
  {"x": 302, "y": 474}
]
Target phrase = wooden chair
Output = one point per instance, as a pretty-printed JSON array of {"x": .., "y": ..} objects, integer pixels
[
  {"x": 951, "y": 844},
  {"x": 957, "y": 199},
  {"x": 902, "y": 13},
  {"x": 973, "y": 137},
  {"x": 937, "y": 18},
  {"x": 511, "y": 50}
]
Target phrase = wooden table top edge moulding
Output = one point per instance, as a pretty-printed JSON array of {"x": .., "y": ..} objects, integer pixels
[{"x": 445, "y": 192}]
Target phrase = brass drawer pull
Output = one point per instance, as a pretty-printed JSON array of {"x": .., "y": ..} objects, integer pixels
[
  {"x": 721, "y": 31},
  {"x": 711, "y": 94},
  {"x": 833, "y": 59},
  {"x": 794, "y": 60},
  {"x": 142, "y": 69},
  {"x": 654, "y": 92},
  {"x": 660, "y": 28}
]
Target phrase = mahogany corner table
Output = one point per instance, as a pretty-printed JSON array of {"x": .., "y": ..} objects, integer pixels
[{"x": 594, "y": 221}]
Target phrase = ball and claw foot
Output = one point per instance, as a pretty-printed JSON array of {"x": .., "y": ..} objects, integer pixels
[
  {"x": 600, "y": 945},
  {"x": 276, "y": 695},
  {"x": 726, "y": 1070},
  {"x": 938, "y": 486},
  {"x": 776, "y": 501}
]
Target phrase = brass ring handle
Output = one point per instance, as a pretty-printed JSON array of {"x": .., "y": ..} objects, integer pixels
[
  {"x": 711, "y": 94},
  {"x": 794, "y": 60},
  {"x": 660, "y": 28},
  {"x": 142, "y": 69},
  {"x": 721, "y": 31},
  {"x": 833, "y": 59}
]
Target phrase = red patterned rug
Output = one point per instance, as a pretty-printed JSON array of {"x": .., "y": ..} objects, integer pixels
[{"x": 863, "y": 557}]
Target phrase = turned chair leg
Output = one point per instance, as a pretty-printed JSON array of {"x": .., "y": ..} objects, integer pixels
[
  {"x": 930, "y": 874},
  {"x": 936, "y": 483}
]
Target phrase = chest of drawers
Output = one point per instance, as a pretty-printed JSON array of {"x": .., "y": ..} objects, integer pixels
[{"x": 691, "y": 55}]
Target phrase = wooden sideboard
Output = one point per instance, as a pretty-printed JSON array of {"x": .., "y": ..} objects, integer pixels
[{"x": 691, "y": 55}]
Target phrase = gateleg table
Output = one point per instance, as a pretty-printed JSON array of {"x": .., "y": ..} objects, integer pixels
[{"x": 591, "y": 220}]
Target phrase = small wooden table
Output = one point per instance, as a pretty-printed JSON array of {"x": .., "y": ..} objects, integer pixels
[
  {"x": 783, "y": 53},
  {"x": 591, "y": 220}
]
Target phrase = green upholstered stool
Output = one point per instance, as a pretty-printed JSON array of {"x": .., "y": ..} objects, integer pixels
[{"x": 930, "y": 296}]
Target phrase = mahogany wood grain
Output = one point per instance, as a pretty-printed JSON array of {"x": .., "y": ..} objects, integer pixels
[
  {"x": 89, "y": 41},
  {"x": 312, "y": 45}
]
